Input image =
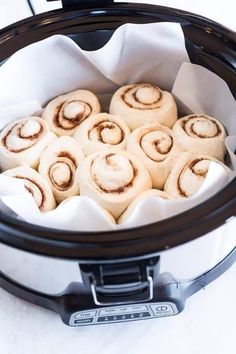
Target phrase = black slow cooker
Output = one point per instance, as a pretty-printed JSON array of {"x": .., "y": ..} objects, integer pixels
[{"x": 123, "y": 277}]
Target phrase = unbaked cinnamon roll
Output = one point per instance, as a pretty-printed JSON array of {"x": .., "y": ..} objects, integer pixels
[
  {"x": 156, "y": 147},
  {"x": 22, "y": 142},
  {"x": 113, "y": 179},
  {"x": 58, "y": 164},
  {"x": 201, "y": 134},
  {"x": 36, "y": 185},
  {"x": 66, "y": 112},
  {"x": 188, "y": 175},
  {"x": 151, "y": 193},
  {"x": 102, "y": 131},
  {"x": 140, "y": 104}
]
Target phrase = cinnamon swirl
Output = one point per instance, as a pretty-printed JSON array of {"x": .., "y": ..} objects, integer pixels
[
  {"x": 113, "y": 179},
  {"x": 102, "y": 131},
  {"x": 156, "y": 147},
  {"x": 201, "y": 134},
  {"x": 36, "y": 185},
  {"x": 58, "y": 164},
  {"x": 22, "y": 141},
  {"x": 140, "y": 104},
  {"x": 66, "y": 112},
  {"x": 188, "y": 175}
]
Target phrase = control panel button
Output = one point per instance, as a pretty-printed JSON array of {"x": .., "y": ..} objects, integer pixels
[
  {"x": 83, "y": 321},
  {"x": 160, "y": 310},
  {"x": 85, "y": 314}
]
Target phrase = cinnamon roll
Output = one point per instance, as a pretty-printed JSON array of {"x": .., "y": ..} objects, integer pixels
[
  {"x": 36, "y": 185},
  {"x": 201, "y": 134},
  {"x": 151, "y": 193},
  {"x": 66, "y": 112},
  {"x": 140, "y": 104},
  {"x": 155, "y": 146},
  {"x": 188, "y": 175},
  {"x": 102, "y": 131},
  {"x": 22, "y": 142},
  {"x": 58, "y": 164},
  {"x": 113, "y": 179}
]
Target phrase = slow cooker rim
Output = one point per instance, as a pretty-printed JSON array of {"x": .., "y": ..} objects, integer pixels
[
  {"x": 25, "y": 237},
  {"x": 49, "y": 242},
  {"x": 197, "y": 18}
]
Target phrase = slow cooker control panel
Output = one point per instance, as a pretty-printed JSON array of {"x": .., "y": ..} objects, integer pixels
[{"x": 123, "y": 313}]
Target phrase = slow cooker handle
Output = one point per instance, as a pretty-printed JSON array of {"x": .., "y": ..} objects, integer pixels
[
  {"x": 190, "y": 287},
  {"x": 15, "y": 288}
]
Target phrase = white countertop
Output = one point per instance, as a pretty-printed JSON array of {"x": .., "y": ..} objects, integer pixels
[{"x": 208, "y": 323}]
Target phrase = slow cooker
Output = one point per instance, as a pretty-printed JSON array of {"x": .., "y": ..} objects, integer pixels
[{"x": 139, "y": 273}]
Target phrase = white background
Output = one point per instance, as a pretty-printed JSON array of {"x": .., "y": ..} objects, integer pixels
[{"x": 208, "y": 324}]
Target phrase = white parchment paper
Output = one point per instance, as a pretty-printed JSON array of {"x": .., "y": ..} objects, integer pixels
[{"x": 136, "y": 53}]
